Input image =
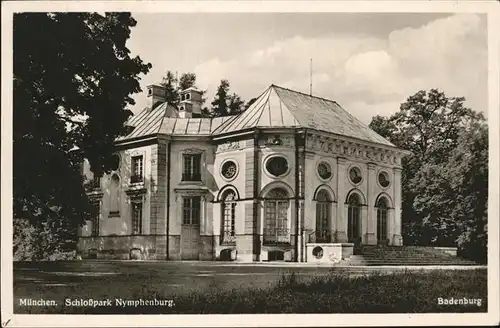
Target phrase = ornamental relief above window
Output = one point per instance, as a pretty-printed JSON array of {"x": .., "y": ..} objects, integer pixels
[
  {"x": 230, "y": 146},
  {"x": 277, "y": 141}
]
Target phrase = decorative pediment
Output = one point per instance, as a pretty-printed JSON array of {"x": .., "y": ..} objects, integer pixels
[
  {"x": 136, "y": 192},
  {"x": 191, "y": 192},
  {"x": 192, "y": 151},
  {"x": 185, "y": 192}
]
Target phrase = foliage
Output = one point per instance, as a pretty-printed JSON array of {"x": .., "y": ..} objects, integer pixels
[
  {"x": 220, "y": 102},
  {"x": 173, "y": 86},
  {"x": 73, "y": 79},
  {"x": 249, "y": 103},
  {"x": 338, "y": 292},
  {"x": 235, "y": 105},
  {"x": 444, "y": 181},
  {"x": 169, "y": 84},
  {"x": 187, "y": 81},
  {"x": 224, "y": 103},
  {"x": 45, "y": 241}
]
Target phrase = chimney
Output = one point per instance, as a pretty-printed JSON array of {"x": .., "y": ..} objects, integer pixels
[
  {"x": 156, "y": 95},
  {"x": 190, "y": 103}
]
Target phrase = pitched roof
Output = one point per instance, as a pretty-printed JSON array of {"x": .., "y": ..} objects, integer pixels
[
  {"x": 164, "y": 119},
  {"x": 278, "y": 107},
  {"x": 146, "y": 123},
  {"x": 191, "y": 126}
]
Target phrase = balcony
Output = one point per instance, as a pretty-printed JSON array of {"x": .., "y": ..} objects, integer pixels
[
  {"x": 136, "y": 179},
  {"x": 276, "y": 236},
  {"x": 228, "y": 238},
  {"x": 191, "y": 177}
]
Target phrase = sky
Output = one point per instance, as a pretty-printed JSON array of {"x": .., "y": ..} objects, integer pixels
[{"x": 368, "y": 62}]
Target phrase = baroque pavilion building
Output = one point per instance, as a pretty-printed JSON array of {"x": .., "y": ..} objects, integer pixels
[{"x": 294, "y": 177}]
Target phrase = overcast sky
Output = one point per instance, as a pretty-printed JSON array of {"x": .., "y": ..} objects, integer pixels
[{"x": 368, "y": 63}]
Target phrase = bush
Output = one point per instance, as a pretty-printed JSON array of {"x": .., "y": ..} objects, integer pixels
[{"x": 39, "y": 243}]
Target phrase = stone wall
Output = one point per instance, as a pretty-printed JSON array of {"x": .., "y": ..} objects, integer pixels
[{"x": 118, "y": 247}]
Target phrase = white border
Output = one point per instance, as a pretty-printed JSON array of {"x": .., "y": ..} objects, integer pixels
[{"x": 490, "y": 318}]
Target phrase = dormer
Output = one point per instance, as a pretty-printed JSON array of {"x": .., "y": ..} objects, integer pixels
[{"x": 190, "y": 103}]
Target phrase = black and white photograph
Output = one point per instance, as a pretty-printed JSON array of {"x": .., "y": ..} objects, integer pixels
[{"x": 260, "y": 158}]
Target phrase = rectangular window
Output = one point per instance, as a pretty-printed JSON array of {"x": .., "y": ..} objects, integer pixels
[
  {"x": 382, "y": 224},
  {"x": 191, "y": 210},
  {"x": 137, "y": 166},
  {"x": 276, "y": 218},
  {"x": 136, "y": 218},
  {"x": 192, "y": 167},
  {"x": 95, "y": 221}
]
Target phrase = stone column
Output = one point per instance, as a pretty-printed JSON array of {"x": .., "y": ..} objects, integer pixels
[
  {"x": 341, "y": 226},
  {"x": 397, "y": 238},
  {"x": 333, "y": 221},
  {"x": 370, "y": 237},
  {"x": 390, "y": 224},
  {"x": 308, "y": 194}
]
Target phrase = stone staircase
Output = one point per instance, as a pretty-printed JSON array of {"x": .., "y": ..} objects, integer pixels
[{"x": 373, "y": 255}]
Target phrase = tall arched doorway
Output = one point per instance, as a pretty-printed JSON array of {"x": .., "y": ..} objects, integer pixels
[
  {"x": 276, "y": 207},
  {"x": 354, "y": 218},
  {"x": 323, "y": 217},
  {"x": 382, "y": 216}
]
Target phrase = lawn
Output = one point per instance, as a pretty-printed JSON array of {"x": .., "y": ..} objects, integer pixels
[{"x": 335, "y": 292}]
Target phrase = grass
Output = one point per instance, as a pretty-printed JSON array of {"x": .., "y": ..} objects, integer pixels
[{"x": 338, "y": 292}]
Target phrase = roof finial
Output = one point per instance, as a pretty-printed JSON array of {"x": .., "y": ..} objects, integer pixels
[{"x": 311, "y": 78}]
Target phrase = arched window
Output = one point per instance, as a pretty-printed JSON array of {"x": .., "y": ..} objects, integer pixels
[
  {"x": 323, "y": 216},
  {"x": 228, "y": 217},
  {"x": 382, "y": 210},
  {"x": 276, "y": 217},
  {"x": 114, "y": 195},
  {"x": 353, "y": 218}
]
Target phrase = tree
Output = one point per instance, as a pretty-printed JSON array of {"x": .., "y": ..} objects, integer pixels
[
  {"x": 169, "y": 84},
  {"x": 235, "y": 105},
  {"x": 73, "y": 80},
  {"x": 187, "y": 81},
  {"x": 224, "y": 103},
  {"x": 220, "y": 103},
  {"x": 173, "y": 86},
  {"x": 444, "y": 180},
  {"x": 249, "y": 103}
]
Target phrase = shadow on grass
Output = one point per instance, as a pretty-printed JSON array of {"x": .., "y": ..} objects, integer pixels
[{"x": 338, "y": 292}]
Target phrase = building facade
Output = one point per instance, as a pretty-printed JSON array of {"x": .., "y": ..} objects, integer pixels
[{"x": 291, "y": 172}]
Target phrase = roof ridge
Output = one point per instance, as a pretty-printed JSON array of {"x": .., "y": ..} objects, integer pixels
[{"x": 305, "y": 94}]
